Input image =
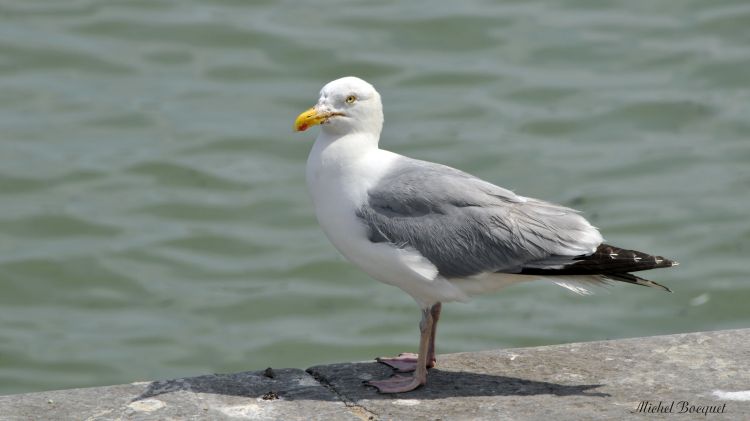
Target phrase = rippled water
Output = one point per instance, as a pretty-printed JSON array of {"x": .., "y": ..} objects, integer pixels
[{"x": 154, "y": 219}]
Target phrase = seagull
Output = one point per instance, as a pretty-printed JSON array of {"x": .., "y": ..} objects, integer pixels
[{"x": 438, "y": 233}]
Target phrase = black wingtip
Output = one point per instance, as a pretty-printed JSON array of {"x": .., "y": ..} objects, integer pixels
[
  {"x": 632, "y": 279},
  {"x": 656, "y": 285}
]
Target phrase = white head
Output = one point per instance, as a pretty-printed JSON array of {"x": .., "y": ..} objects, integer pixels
[{"x": 346, "y": 105}]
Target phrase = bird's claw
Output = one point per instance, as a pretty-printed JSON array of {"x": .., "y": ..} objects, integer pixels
[
  {"x": 397, "y": 384},
  {"x": 403, "y": 363}
]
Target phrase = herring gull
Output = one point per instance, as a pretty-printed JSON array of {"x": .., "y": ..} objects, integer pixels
[{"x": 436, "y": 232}]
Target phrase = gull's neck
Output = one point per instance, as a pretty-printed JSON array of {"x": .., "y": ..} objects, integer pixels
[
  {"x": 341, "y": 150},
  {"x": 344, "y": 165}
]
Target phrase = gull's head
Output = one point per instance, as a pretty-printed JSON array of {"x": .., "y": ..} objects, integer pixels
[{"x": 346, "y": 105}]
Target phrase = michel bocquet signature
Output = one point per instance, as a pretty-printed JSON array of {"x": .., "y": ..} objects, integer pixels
[{"x": 678, "y": 407}]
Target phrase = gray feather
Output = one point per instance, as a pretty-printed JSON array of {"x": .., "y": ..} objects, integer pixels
[{"x": 466, "y": 226}]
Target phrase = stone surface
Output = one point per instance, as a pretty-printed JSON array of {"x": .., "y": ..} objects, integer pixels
[
  {"x": 291, "y": 394},
  {"x": 584, "y": 381}
]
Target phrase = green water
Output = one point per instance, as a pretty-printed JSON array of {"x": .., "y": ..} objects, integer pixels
[{"x": 154, "y": 221}]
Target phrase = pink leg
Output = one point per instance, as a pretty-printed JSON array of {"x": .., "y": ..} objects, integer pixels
[
  {"x": 398, "y": 383},
  {"x": 407, "y": 361},
  {"x": 435, "y": 310}
]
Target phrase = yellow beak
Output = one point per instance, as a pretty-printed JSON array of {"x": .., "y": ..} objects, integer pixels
[{"x": 311, "y": 117}]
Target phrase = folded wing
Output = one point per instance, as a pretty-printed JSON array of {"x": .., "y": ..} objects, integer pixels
[{"x": 466, "y": 226}]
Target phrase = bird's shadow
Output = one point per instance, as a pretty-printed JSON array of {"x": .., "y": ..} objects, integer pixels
[{"x": 346, "y": 380}]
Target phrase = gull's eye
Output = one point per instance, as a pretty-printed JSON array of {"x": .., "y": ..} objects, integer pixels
[{"x": 350, "y": 99}]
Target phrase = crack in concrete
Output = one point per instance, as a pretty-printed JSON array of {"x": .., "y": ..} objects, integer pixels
[{"x": 358, "y": 410}]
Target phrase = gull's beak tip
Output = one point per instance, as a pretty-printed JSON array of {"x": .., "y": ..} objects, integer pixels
[{"x": 308, "y": 118}]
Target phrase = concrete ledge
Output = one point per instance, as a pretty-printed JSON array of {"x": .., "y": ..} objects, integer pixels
[{"x": 648, "y": 378}]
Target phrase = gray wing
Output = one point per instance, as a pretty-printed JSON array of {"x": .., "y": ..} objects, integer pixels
[{"x": 466, "y": 226}]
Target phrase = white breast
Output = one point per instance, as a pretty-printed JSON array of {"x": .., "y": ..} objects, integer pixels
[{"x": 339, "y": 174}]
